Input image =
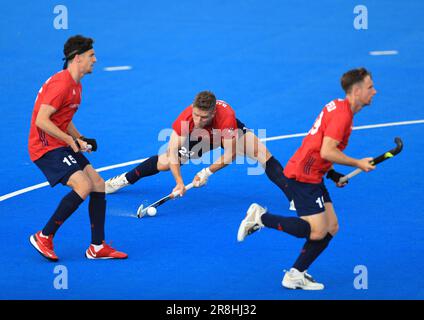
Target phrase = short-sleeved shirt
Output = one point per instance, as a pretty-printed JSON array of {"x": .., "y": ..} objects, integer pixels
[
  {"x": 335, "y": 121},
  {"x": 62, "y": 93},
  {"x": 223, "y": 125}
]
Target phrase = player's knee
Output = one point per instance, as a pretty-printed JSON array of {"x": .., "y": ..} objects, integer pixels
[
  {"x": 163, "y": 162},
  {"x": 83, "y": 187},
  {"x": 162, "y": 166},
  {"x": 333, "y": 229},
  {"x": 98, "y": 184},
  {"x": 318, "y": 234}
]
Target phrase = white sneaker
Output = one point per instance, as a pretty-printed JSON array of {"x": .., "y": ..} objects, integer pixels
[
  {"x": 114, "y": 184},
  {"x": 294, "y": 279},
  {"x": 252, "y": 222}
]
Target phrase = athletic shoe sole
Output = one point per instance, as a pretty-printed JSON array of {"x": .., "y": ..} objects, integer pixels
[
  {"x": 88, "y": 256},
  {"x": 297, "y": 287},
  {"x": 35, "y": 245}
]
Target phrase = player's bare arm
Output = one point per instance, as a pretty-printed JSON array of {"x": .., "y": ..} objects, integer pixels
[
  {"x": 330, "y": 152},
  {"x": 73, "y": 131},
  {"x": 86, "y": 144},
  {"x": 175, "y": 143},
  {"x": 44, "y": 123},
  {"x": 230, "y": 152}
]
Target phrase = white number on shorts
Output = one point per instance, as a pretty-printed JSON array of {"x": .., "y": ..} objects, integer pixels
[
  {"x": 320, "y": 201},
  {"x": 69, "y": 159}
]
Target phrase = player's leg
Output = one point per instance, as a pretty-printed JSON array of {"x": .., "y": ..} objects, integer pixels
[
  {"x": 43, "y": 240},
  {"x": 310, "y": 202},
  {"x": 295, "y": 226},
  {"x": 323, "y": 227},
  {"x": 163, "y": 162},
  {"x": 96, "y": 206},
  {"x": 297, "y": 277},
  {"x": 332, "y": 221},
  {"x": 258, "y": 217},
  {"x": 251, "y": 146},
  {"x": 81, "y": 186},
  {"x": 148, "y": 167},
  {"x": 59, "y": 165},
  {"x": 98, "y": 249}
]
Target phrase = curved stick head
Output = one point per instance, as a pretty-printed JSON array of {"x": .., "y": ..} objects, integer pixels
[
  {"x": 399, "y": 145},
  {"x": 140, "y": 211}
]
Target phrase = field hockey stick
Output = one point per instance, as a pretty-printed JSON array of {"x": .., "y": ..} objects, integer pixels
[
  {"x": 383, "y": 157},
  {"x": 141, "y": 212},
  {"x": 89, "y": 146}
]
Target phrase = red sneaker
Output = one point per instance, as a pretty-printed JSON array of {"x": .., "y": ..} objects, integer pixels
[
  {"x": 107, "y": 252},
  {"x": 44, "y": 246}
]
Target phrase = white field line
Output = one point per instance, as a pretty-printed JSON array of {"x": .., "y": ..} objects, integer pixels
[
  {"x": 117, "y": 68},
  {"x": 289, "y": 136},
  {"x": 384, "y": 53},
  {"x": 371, "y": 126}
]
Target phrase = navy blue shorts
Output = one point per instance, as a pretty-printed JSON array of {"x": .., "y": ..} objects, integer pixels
[
  {"x": 309, "y": 198},
  {"x": 195, "y": 149},
  {"x": 59, "y": 164}
]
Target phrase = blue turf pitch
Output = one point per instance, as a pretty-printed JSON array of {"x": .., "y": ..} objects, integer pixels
[{"x": 277, "y": 63}]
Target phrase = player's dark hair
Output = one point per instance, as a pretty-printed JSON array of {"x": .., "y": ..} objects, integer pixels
[
  {"x": 205, "y": 100},
  {"x": 353, "y": 76},
  {"x": 76, "y": 45}
]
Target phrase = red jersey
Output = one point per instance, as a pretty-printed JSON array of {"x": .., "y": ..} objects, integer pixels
[
  {"x": 335, "y": 121},
  {"x": 62, "y": 93},
  {"x": 224, "y": 123}
]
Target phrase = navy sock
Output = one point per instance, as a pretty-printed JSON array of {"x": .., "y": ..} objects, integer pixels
[
  {"x": 274, "y": 171},
  {"x": 292, "y": 225},
  {"x": 97, "y": 212},
  {"x": 66, "y": 207},
  {"x": 147, "y": 168},
  {"x": 310, "y": 252}
]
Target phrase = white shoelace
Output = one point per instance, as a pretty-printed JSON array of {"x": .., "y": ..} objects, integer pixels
[{"x": 116, "y": 182}]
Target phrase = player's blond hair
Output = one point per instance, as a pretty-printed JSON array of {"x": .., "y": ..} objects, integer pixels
[{"x": 205, "y": 100}]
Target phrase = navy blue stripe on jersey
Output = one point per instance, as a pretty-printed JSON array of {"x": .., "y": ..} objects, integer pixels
[
  {"x": 45, "y": 139},
  {"x": 308, "y": 165},
  {"x": 42, "y": 136}
]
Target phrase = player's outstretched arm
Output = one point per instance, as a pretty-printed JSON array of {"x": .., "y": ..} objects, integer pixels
[
  {"x": 175, "y": 143},
  {"x": 330, "y": 152},
  {"x": 230, "y": 152}
]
